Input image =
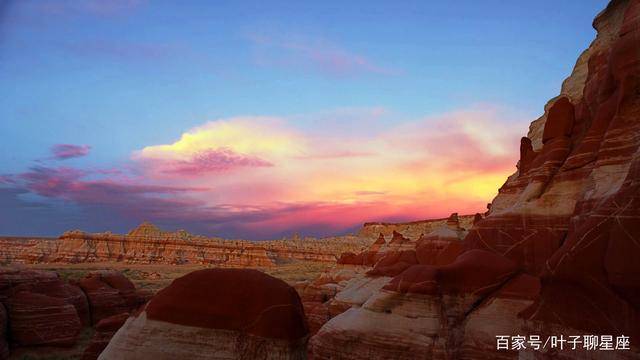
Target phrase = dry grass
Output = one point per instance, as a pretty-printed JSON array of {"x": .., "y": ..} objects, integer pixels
[{"x": 154, "y": 277}]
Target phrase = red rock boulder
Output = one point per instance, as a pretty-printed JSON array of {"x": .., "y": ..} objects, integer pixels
[
  {"x": 365, "y": 258},
  {"x": 393, "y": 263},
  {"x": 475, "y": 271},
  {"x": 253, "y": 302},
  {"x": 232, "y": 313},
  {"x": 12, "y": 277},
  {"x": 37, "y": 319},
  {"x": 109, "y": 293},
  {"x": 432, "y": 253},
  {"x": 59, "y": 289}
]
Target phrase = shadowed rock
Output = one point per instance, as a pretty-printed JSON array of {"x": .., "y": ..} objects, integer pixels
[
  {"x": 109, "y": 293},
  {"x": 37, "y": 319},
  {"x": 216, "y": 314}
]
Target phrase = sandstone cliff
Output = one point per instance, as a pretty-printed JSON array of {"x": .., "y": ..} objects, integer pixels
[
  {"x": 147, "y": 245},
  {"x": 556, "y": 254},
  {"x": 409, "y": 229}
]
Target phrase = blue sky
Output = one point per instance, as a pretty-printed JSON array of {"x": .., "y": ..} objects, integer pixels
[{"x": 118, "y": 76}]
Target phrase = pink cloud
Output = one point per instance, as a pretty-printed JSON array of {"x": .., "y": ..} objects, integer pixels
[
  {"x": 483, "y": 139},
  {"x": 321, "y": 218},
  {"x": 68, "y": 151},
  {"x": 211, "y": 161},
  {"x": 7, "y": 179},
  {"x": 336, "y": 155},
  {"x": 315, "y": 54}
]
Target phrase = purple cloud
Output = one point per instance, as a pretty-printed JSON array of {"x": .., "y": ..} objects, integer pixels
[
  {"x": 68, "y": 151},
  {"x": 208, "y": 161},
  {"x": 69, "y": 183},
  {"x": 118, "y": 204}
]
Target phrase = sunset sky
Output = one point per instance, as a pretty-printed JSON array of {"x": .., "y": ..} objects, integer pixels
[{"x": 256, "y": 119}]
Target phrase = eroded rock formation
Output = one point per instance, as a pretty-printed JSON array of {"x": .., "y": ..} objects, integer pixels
[
  {"x": 109, "y": 293},
  {"x": 38, "y": 308},
  {"x": 149, "y": 245},
  {"x": 370, "y": 317},
  {"x": 38, "y": 319},
  {"x": 216, "y": 313},
  {"x": 555, "y": 254},
  {"x": 412, "y": 229}
]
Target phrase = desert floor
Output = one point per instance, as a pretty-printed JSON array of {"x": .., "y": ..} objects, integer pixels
[{"x": 154, "y": 277}]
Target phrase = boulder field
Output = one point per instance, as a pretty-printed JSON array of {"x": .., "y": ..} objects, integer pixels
[{"x": 40, "y": 310}]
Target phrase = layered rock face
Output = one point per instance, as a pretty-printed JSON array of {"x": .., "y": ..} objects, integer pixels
[
  {"x": 318, "y": 296},
  {"x": 576, "y": 200},
  {"x": 11, "y": 277},
  {"x": 149, "y": 245},
  {"x": 216, "y": 314},
  {"x": 37, "y": 308},
  {"x": 556, "y": 253},
  {"x": 314, "y": 249},
  {"x": 411, "y": 230},
  {"x": 370, "y": 318},
  {"x": 42, "y": 320}
]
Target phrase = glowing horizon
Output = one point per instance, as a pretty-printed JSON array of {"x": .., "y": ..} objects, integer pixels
[
  {"x": 255, "y": 120},
  {"x": 261, "y": 176}
]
